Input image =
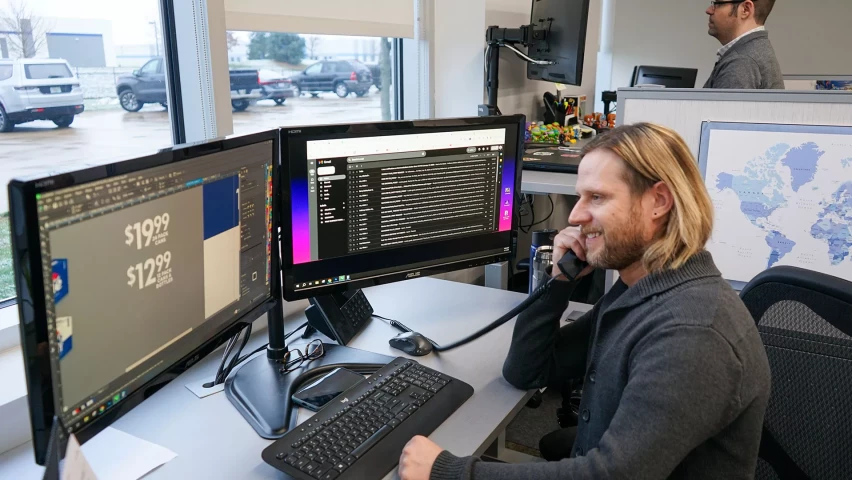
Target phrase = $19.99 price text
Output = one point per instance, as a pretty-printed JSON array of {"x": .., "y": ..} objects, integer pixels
[{"x": 149, "y": 230}]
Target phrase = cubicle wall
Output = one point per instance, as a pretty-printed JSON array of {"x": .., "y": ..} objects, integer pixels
[{"x": 683, "y": 110}]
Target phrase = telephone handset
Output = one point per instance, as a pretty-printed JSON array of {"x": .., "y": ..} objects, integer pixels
[{"x": 570, "y": 265}]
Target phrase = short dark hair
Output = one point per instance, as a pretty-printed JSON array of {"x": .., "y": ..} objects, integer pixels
[{"x": 762, "y": 9}]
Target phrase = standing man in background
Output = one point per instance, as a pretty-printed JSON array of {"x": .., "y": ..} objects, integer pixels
[{"x": 746, "y": 59}]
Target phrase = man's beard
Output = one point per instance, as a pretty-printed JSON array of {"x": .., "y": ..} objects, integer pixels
[{"x": 622, "y": 247}]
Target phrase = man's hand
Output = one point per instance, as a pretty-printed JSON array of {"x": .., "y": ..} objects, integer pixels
[
  {"x": 417, "y": 458},
  {"x": 569, "y": 239}
]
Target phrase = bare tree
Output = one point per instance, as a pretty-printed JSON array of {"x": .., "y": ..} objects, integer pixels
[
  {"x": 27, "y": 32},
  {"x": 232, "y": 40},
  {"x": 313, "y": 43}
]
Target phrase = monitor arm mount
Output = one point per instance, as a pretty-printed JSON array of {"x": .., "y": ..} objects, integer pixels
[{"x": 496, "y": 37}]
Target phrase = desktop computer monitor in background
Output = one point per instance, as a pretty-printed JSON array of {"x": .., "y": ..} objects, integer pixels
[
  {"x": 375, "y": 203},
  {"x": 560, "y": 37},
  {"x": 668, "y": 77},
  {"x": 127, "y": 270}
]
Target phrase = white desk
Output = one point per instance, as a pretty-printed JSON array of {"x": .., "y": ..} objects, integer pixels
[
  {"x": 213, "y": 440},
  {"x": 544, "y": 183}
]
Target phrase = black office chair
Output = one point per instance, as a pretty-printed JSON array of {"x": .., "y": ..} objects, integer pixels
[{"x": 805, "y": 321}]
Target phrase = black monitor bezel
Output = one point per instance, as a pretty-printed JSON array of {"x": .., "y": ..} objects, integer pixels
[
  {"x": 29, "y": 282},
  {"x": 425, "y": 126},
  {"x": 683, "y": 75},
  {"x": 545, "y": 72}
]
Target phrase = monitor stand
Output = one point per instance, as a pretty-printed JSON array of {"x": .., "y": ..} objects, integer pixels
[{"x": 262, "y": 394}]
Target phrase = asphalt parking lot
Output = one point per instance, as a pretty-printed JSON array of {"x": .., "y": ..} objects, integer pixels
[{"x": 102, "y": 136}]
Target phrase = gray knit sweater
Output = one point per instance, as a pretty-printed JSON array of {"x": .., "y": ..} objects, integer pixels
[
  {"x": 676, "y": 381},
  {"x": 749, "y": 64}
]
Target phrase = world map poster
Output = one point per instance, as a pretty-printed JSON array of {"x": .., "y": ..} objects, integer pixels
[{"x": 782, "y": 196}]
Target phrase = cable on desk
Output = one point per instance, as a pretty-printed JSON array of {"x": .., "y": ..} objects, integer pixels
[
  {"x": 535, "y": 295},
  {"x": 223, "y": 370},
  {"x": 258, "y": 349}
]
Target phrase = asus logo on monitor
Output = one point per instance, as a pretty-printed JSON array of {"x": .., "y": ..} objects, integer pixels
[{"x": 413, "y": 275}]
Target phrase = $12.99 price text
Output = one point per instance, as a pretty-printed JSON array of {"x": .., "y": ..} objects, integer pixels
[{"x": 153, "y": 271}]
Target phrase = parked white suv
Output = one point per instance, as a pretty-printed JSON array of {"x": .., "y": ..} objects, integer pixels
[{"x": 38, "y": 89}]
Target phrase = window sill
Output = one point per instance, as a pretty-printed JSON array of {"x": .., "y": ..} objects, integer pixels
[
  {"x": 14, "y": 414},
  {"x": 9, "y": 335}
]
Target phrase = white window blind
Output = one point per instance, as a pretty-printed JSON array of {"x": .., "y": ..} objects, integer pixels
[{"x": 373, "y": 18}]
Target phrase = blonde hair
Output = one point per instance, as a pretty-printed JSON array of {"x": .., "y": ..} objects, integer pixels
[{"x": 651, "y": 154}]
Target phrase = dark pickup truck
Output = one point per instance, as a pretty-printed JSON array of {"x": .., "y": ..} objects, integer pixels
[{"x": 148, "y": 85}]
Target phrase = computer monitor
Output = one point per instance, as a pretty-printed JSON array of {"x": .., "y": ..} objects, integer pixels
[
  {"x": 668, "y": 77},
  {"x": 564, "y": 24},
  {"x": 376, "y": 203},
  {"x": 127, "y": 270}
]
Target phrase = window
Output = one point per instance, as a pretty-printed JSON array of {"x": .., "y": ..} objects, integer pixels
[
  {"x": 5, "y": 72},
  {"x": 151, "y": 68},
  {"x": 79, "y": 56},
  {"x": 38, "y": 71},
  {"x": 311, "y": 79},
  {"x": 315, "y": 69}
]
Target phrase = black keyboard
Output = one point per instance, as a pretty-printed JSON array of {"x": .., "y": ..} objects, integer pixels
[{"x": 361, "y": 433}]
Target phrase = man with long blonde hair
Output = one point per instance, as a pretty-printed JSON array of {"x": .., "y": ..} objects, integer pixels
[{"x": 676, "y": 380}]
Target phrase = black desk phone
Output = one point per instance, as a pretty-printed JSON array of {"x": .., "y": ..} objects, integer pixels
[{"x": 339, "y": 316}]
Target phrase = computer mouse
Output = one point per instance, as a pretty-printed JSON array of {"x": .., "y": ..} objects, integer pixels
[{"x": 411, "y": 343}]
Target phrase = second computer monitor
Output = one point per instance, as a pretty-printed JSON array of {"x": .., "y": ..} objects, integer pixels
[
  {"x": 668, "y": 77},
  {"x": 127, "y": 270},
  {"x": 559, "y": 44},
  {"x": 373, "y": 203}
]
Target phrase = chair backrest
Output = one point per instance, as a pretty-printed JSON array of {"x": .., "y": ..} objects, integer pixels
[{"x": 805, "y": 321}]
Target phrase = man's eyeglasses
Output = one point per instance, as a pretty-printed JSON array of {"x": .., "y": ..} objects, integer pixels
[
  {"x": 714, "y": 4},
  {"x": 294, "y": 359}
]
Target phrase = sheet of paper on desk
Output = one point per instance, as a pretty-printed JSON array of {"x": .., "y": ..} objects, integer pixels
[
  {"x": 115, "y": 455},
  {"x": 76, "y": 467}
]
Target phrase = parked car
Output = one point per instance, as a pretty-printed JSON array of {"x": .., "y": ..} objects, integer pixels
[
  {"x": 148, "y": 85},
  {"x": 339, "y": 76},
  {"x": 38, "y": 89},
  {"x": 274, "y": 87}
]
